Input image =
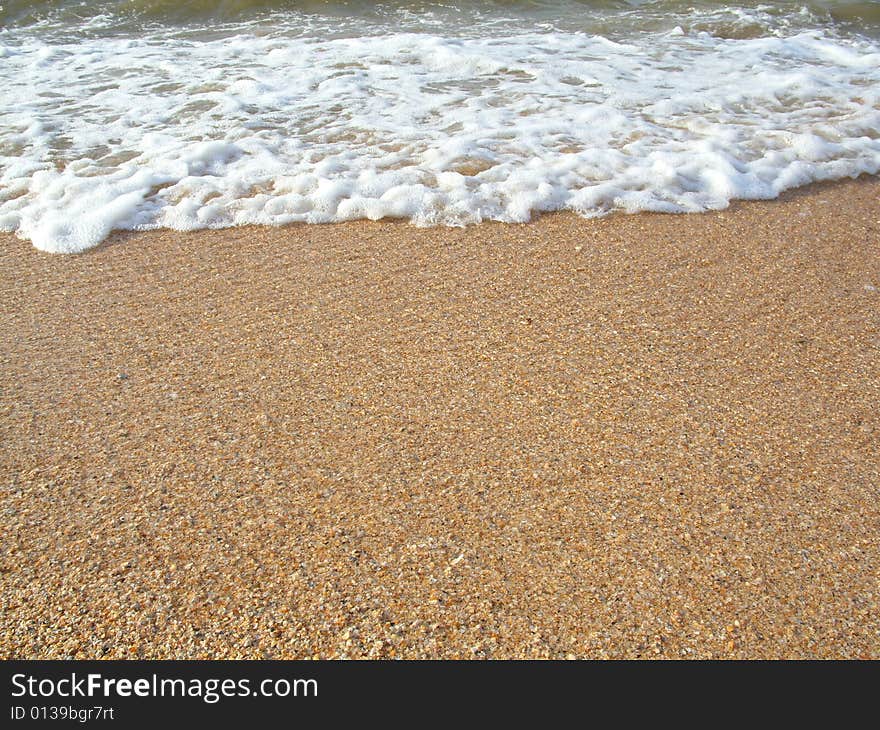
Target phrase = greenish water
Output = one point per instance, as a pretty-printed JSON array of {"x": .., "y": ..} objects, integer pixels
[{"x": 626, "y": 15}]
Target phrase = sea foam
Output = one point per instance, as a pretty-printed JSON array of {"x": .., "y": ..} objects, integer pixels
[{"x": 165, "y": 130}]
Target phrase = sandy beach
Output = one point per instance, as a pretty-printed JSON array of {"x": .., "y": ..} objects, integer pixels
[{"x": 638, "y": 436}]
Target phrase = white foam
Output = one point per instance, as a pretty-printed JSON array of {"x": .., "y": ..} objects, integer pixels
[{"x": 112, "y": 133}]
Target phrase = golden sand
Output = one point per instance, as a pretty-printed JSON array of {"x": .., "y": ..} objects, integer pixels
[{"x": 641, "y": 436}]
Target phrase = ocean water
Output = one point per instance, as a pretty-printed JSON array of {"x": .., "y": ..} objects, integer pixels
[{"x": 140, "y": 114}]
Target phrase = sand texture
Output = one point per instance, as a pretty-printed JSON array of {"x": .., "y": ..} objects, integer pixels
[{"x": 640, "y": 436}]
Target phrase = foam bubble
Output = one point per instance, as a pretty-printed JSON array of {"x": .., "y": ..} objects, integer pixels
[{"x": 160, "y": 131}]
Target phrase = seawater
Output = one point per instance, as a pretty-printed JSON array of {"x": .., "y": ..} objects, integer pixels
[{"x": 142, "y": 114}]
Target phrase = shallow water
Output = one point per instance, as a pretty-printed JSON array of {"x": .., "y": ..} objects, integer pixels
[{"x": 146, "y": 114}]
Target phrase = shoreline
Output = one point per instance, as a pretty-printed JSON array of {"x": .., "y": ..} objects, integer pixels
[
  {"x": 641, "y": 435},
  {"x": 276, "y": 233}
]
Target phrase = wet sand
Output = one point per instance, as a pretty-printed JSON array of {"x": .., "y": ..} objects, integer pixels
[{"x": 640, "y": 436}]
